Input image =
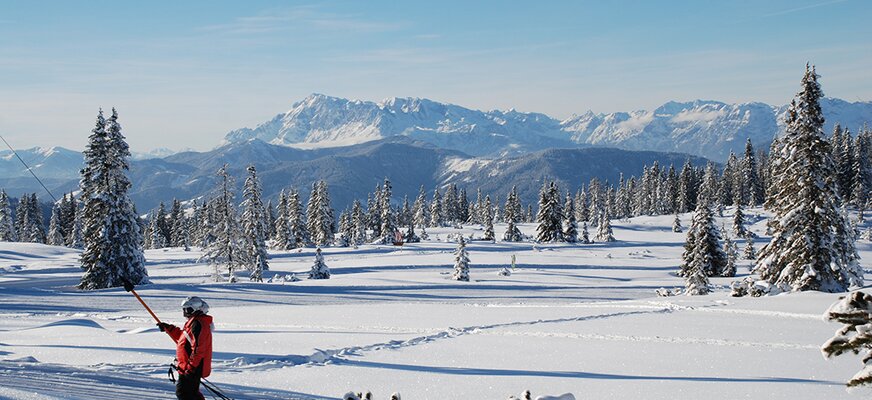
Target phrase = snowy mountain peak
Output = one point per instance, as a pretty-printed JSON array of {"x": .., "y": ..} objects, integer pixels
[{"x": 701, "y": 127}]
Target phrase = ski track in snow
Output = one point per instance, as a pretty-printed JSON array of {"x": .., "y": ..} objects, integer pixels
[
  {"x": 323, "y": 357},
  {"x": 659, "y": 339}
]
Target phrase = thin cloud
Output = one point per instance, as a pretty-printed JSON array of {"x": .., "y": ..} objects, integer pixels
[
  {"x": 303, "y": 16},
  {"x": 803, "y": 8}
]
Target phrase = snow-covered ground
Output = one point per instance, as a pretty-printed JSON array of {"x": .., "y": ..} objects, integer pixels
[{"x": 571, "y": 318}]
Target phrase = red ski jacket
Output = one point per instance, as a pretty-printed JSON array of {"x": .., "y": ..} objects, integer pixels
[{"x": 194, "y": 344}]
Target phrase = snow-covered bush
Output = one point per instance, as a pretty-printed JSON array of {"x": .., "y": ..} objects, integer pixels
[
  {"x": 855, "y": 312},
  {"x": 524, "y": 396},
  {"x": 756, "y": 288},
  {"x": 319, "y": 269},
  {"x": 527, "y": 396}
]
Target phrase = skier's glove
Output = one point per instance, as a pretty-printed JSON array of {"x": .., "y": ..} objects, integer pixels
[
  {"x": 163, "y": 326},
  {"x": 128, "y": 286}
]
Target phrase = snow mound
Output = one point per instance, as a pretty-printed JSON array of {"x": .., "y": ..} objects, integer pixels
[{"x": 79, "y": 322}]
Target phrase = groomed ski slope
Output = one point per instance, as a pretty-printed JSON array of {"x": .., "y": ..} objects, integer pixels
[{"x": 571, "y": 318}]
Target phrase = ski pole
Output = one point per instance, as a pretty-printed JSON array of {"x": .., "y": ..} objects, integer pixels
[{"x": 128, "y": 286}]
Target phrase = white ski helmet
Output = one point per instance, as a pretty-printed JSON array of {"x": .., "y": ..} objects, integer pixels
[{"x": 193, "y": 304}]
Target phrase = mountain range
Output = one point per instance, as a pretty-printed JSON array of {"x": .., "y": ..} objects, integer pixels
[
  {"x": 708, "y": 129},
  {"x": 353, "y": 171}
]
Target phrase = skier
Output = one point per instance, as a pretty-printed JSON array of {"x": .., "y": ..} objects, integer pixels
[{"x": 193, "y": 347}]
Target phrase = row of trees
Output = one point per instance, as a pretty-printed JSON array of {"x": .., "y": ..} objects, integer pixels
[{"x": 25, "y": 223}]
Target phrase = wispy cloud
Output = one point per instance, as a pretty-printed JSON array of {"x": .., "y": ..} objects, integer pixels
[
  {"x": 311, "y": 17},
  {"x": 803, "y": 8}
]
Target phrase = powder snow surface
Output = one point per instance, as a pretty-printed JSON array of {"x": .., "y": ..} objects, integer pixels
[{"x": 579, "y": 319}]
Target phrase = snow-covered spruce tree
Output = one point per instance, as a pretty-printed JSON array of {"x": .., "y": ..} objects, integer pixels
[
  {"x": 622, "y": 199},
  {"x": 581, "y": 204},
  {"x": 499, "y": 215},
  {"x": 373, "y": 213},
  {"x": 227, "y": 249},
  {"x": 62, "y": 224},
  {"x": 7, "y": 229},
  {"x": 207, "y": 223},
  {"x": 855, "y": 312},
  {"x": 178, "y": 225},
  {"x": 32, "y": 228},
  {"x": 269, "y": 218},
  {"x": 74, "y": 238},
  {"x": 282, "y": 240},
  {"x": 487, "y": 218},
  {"x": 513, "y": 216},
  {"x": 346, "y": 230},
  {"x": 461, "y": 262},
  {"x": 254, "y": 229},
  {"x": 72, "y": 223},
  {"x": 475, "y": 210},
  {"x": 111, "y": 234},
  {"x": 299, "y": 229},
  {"x": 670, "y": 195},
  {"x": 585, "y": 236},
  {"x": 604, "y": 230},
  {"x": 687, "y": 192},
  {"x": 420, "y": 211},
  {"x": 739, "y": 222},
  {"x": 319, "y": 215},
  {"x": 676, "y": 224},
  {"x": 21, "y": 216},
  {"x": 450, "y": 203},
  {"x": 36, "y": 227},
  {"x": 404, "y": 217},
  {"x": 330, "y": 218},
  {"x": 749, "y": 253},
  {"x": 343, "y": 238},
  {"x": 595, "y": 201},
  {"x": 550, "y": 216},
  {"x": 358, "y": 223},
  {"x": 570, "y": 226},
  {"x": 843, "y": 156},
  {"x": 55, "y": 235},
  {"x": 462, "y": 206},
  {"x": 436, "y": 217},
  {"x": 410, "y": 236},
  {"x": 727, "y": 191},
  {"x": 388, "y": 218},
  {"x": 163, "y": 225},
  {"x": 155, "y": 239},
  {"x": 703, "y": 247},
  {"x": 752, "y": 185},
  {"x": 710, "y": 188},
  {"x": 732, "y": 253},
  {"x": 862, "y": 170},
  {"x": 185, "y": 236},
  {"x": 695, "y": 278},
  {"x": 319, "y": 269},
  {"x": 812, "y": 246}
]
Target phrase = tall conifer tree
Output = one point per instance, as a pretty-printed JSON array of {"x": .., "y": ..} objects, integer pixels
[
  {"x": 812, "y": 246},
  {"x": 254, "y": 226},
  {"x": 111, "y": 233}
]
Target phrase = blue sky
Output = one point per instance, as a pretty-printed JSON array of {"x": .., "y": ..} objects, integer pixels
[{"x": 182, "y": 74}]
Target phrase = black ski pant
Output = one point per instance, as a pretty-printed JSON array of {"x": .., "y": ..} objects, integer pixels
[{"x": 188, "y": 387}]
